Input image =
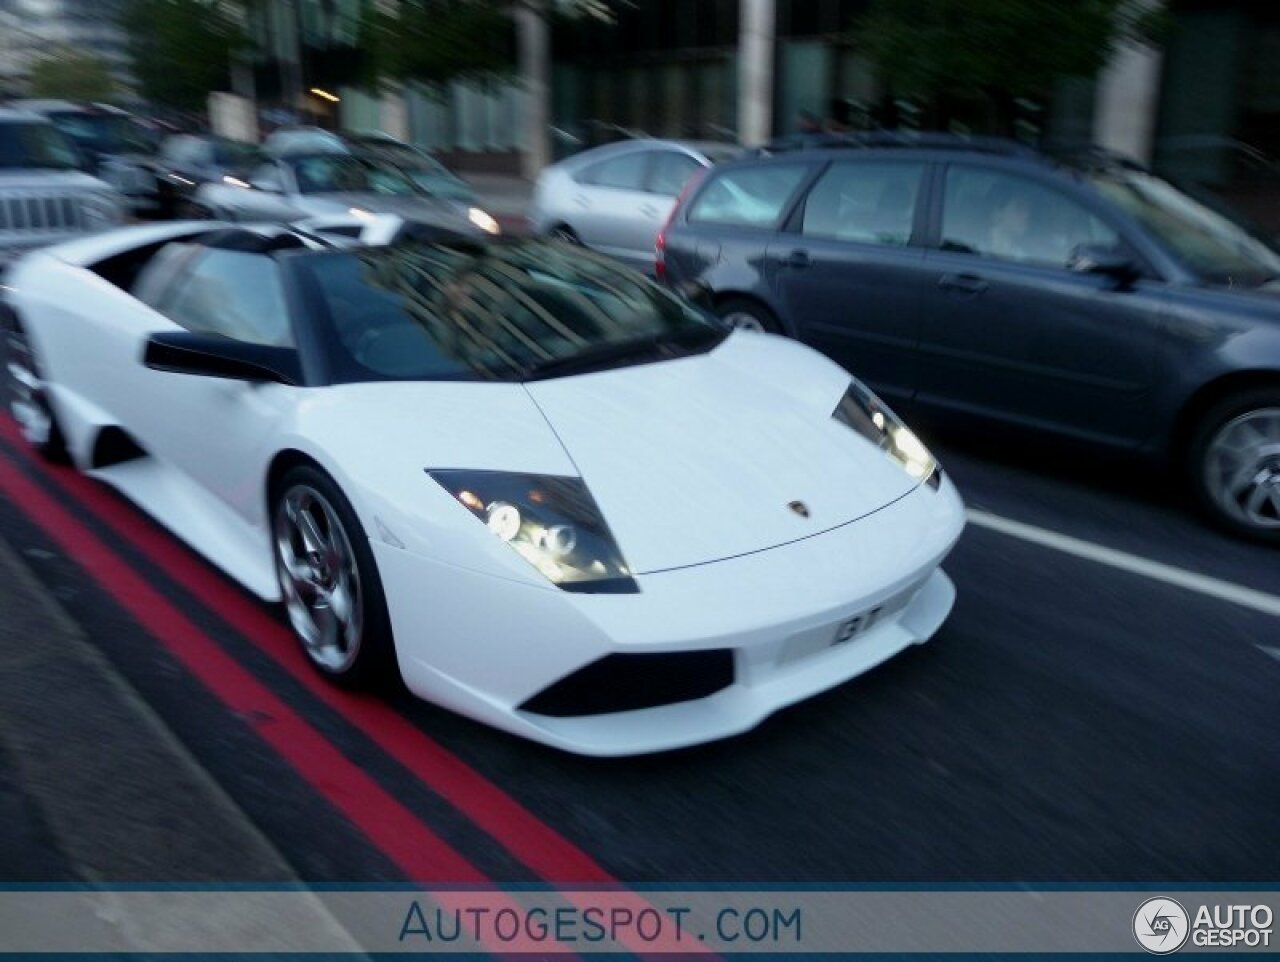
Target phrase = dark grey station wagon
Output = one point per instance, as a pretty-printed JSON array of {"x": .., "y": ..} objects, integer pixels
[{"x": 1084, "y": 298}]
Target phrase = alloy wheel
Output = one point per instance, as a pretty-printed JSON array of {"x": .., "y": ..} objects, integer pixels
[
  {"x": 1242, "y": 468},
  {"x": 319, "y": 578},
  {"x": 27, "y": 402}
]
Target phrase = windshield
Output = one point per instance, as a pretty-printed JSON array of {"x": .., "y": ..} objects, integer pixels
[
  {"x": 36, "y": 145},
  {"x": 233, "y": 155},
  {"x": 329, "y": 173},
  {"x": 498, "y": 311},
  {"x": 105, "y": 133},
  {"x": 1212, "y": 245}
]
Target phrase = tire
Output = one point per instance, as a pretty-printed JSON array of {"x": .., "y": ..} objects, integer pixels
[
  {"x": 565, "y": 234},
  {"x": 1233, "y": 463},
  {"x": 319, "y": 561},
  {"x": 743, "y": 314},
  {"x": 25, "y": 396}
]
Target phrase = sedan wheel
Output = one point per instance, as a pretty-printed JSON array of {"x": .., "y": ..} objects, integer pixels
[
  {"x": 25, "y": 391},
  {"x": 741, "y": 321},
  {"x": 742, "y": 314},
  {"x": 1235, "y": 463},
  {"x": 329, "y": 580},
  {"x": 566, "y": 236},
  {"x": 1242, "y": 469}
]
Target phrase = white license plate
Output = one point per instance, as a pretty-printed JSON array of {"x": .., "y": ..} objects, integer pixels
[{"x": 847, "y": 630}]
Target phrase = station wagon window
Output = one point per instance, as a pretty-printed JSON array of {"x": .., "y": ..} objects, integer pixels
[
  {"x": 1013, "y": 218},
  {"x": 234, "y": 294},
  {"x": 625, "y": 172},
  {"x": 748, "y": 197},
  {"x": 671, "y": 171},
  {"x": 871, "y": 203}
]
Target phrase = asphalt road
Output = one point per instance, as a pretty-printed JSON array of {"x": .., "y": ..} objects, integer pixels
[{"x": 1073, "y": 721}]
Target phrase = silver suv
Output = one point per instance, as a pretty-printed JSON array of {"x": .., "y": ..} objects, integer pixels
[{"x": 44, "y": 195}]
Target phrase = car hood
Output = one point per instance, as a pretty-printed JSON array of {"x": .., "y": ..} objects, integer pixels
[
  {"x": 430, "y": 210},
  {"x": 699, "y": 459}
]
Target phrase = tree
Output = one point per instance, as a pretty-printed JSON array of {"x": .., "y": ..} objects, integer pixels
[
  {"x": 947, "y": 52},
  {"x": 72, "y": 75},
  {"x": 436, "y": 41},
  {"x": 181, "y": 49}
]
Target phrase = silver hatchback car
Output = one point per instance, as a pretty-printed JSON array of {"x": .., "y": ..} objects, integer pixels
[{"x": 616, "y": 198}]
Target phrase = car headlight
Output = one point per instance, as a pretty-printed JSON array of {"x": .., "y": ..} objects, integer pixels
[
  {"x": 484, "y": 220},
  {"x": 101, "y": 210},
  {"x": 550, "y": 521},
  {"x": 861, "y": 410}
]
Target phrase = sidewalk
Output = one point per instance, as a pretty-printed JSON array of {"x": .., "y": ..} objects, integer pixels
[{"x": 94, "y": 788}]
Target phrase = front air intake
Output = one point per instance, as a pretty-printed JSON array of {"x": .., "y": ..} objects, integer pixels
[{"x": 628, "y": 682}]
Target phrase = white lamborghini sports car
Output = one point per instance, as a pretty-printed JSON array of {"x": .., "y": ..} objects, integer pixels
[{"x": 554, "y": 496}]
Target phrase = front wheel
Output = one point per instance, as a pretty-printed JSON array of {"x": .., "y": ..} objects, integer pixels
[
  {"x": 744, "y": 315},
  {"x": 1235, "y": 463},
  {"x": 27, "y": 400},
  {"x": 332, "y": 594}
]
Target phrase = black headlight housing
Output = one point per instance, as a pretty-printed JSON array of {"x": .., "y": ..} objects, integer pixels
[{"x": 551, "y": 521}]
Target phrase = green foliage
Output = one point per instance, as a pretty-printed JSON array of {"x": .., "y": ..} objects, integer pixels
[
  {"x": 435, "y": 41},
  {"x": 72, "y": 75},
  {"x": 931, "y": 49},
  {"x": 181, "y": 49}
]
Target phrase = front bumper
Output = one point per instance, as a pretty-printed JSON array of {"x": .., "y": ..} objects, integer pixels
[{"x": 483, "y": 646}]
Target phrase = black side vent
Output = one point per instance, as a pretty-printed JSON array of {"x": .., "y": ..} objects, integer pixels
[
  {"x": 628, "y": 682},
  {"x": 115, "y": 446}
]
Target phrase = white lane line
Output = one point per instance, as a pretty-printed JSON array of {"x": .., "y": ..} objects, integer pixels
[
  {"x": 1158, "y": 571},
  {"x": 1268, "y": 650}
]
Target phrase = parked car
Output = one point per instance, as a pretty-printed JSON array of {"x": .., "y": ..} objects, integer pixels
[
  {"x": 423, "y": 169},
  {"x": 615, "y": 199},
  {"x": 45, "y": 196},
  {"x": 1089, "y": 300},
  {"x": 302, "y": 139},
  {"x": 302, "y": 185},
  {"x": 471, "y": 462},
  {"x": 431, "y": 176},
  {"x": 116, "y": 146},
  {"x": 185, "y": 161}
]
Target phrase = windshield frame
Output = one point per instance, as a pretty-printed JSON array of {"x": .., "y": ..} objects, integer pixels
[
  {"x": 352, "y": 161},
  {"x": 337, "y": 363},
  {"x": 1167, "y": 214}
]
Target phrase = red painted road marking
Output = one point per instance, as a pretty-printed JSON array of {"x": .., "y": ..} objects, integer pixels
[
  {"x": 518, "y": 830},
  {"x": 399, "y": 834}
]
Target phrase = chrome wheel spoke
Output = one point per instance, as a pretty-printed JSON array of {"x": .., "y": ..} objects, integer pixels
[
  {"x": 1242, "y": 468},
  {"x": 319, "y": 578}
]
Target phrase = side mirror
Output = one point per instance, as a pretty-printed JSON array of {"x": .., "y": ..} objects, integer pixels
[
  {"x": 1111, "y": 262},
  {"x": 208, "y": 355}
]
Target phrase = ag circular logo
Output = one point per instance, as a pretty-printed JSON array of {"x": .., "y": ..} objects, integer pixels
[{"x": 1161, "y": 925}]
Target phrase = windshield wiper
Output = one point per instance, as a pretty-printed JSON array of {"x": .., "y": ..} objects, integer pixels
[{"x": 656, "y": 347}]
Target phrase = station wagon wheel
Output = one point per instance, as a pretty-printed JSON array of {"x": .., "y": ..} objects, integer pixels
[
  {"x": 745, "y": 315},
  {"x": 1236, "y": 463},
  {"x": 565, "y": 234},
  {"x": 27, "y": 400},
  {"x": 329, "y": 583}
]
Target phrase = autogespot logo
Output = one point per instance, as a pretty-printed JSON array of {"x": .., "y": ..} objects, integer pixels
[{"x": 1161, "y": 925}]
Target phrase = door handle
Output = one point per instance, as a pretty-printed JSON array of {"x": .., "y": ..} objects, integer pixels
[
  {"x": 797, "y": 259},
  {"x": 649, "y": 210},
  {"x": 581, "y": 200},
  {"x": 963, "y": 283}
]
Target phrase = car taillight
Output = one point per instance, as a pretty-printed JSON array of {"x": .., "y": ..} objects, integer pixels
[{"x": 660, "y": 242}]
